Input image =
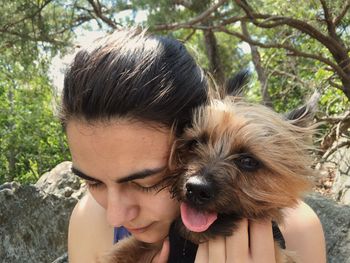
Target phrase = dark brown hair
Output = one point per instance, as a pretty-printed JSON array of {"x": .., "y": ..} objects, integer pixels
[{"x": 135, "y": 75}]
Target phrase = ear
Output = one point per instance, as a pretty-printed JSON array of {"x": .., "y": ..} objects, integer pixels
[
  {"x": 303, "y": 116},
  {"x": 235, "y": 85}
]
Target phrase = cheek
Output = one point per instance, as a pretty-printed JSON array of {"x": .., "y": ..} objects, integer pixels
[
  {"x": 100, "y": 196},
  {"x": 165, "y": 206}
]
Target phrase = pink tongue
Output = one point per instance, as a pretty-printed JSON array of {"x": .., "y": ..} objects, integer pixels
[{"x": 194, "y": 220}]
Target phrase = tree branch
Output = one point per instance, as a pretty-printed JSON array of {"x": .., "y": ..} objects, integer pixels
[
  {"x": 335, "y": 85},
  {"x": 340, "y": 126},
  {"x": 335, "y": 148},
  {"x": 332, "y": 44},
  {"x": 203, "y": 16},
  {"x": 289, "y": 75},
  {"x": 294, "y": 51},
  {"x": 260, "y": 70},
  {"x": 189, "y": 36},
  {"x": 329, "y": 21},
  {"x": 98, "y": 12},
  {"x": 234, "y": 19},
  {"x": 34, "y": 39},
  {"x": 342, "y": 13},
  {"x": 31, "y": 16},
  {"x": 336, "y": 119}
]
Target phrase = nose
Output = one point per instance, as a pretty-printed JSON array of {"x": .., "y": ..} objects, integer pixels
[
  {"x": 199, "y": 191},
  {"x": 121, "y": 208}
]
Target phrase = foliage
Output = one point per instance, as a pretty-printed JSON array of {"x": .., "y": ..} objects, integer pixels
[{"x": 32, "y": 140}]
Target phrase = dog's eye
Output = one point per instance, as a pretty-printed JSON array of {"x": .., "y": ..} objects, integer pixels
[
  {"x": 247, "y": 163},
  {"x": 191, "y": 144}
]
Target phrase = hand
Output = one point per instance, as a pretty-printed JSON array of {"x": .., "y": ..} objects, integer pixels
[
  {"x": 162, "y": 256},
  {"x": 255, "y": 245}
]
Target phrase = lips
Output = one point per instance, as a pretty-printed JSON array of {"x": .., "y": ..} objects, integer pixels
[{"x": 138, "y": 230}]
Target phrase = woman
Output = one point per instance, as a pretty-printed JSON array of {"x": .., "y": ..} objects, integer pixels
[{"x": 121, "y": 101}]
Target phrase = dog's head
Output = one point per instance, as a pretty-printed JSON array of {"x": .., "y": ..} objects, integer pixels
[{"x": 238, "y": 160}]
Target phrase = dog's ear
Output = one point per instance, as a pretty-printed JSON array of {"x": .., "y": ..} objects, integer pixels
[
  {"x": 304, "y": 115},
  {"x": 235, "y": 85}
]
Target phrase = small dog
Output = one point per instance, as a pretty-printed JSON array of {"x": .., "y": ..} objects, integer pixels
[
  {"x": 240, "y": 160},
  {"x": 237, "y": 160}
]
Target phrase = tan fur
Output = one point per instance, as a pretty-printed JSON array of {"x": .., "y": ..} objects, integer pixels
[
  {"x": 130, "y": 250},
  {"x": 221, "y": 132}
]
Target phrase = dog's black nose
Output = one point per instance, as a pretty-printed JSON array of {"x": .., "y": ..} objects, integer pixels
[{"x": 198, "y": 191}]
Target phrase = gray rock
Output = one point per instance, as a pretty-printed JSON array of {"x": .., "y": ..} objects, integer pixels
[
  {"x": 34, "y": 218},
  {"x": 62, "y": 259},
  {"x": 341, "y": 186},
  {"x": 33, "y": 224},
  {"x": 61, "y": 182},
  {"x": 335, "y": 220},
  {"x": 339, "y": 163}
]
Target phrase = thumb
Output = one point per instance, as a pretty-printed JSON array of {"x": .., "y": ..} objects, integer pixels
[{"x": 162, "y": 256}]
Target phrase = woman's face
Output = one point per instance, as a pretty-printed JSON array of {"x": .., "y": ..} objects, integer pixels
[{"x": 123, "y": 163}]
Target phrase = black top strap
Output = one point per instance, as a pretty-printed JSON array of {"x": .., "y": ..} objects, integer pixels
[
  {"x": 181, "y": 250},
  {"x": 277, "y": 235}
]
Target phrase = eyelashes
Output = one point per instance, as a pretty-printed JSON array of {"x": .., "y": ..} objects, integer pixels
[
  {"x": 159, "y": 186},
  {"x": 147, "y": 189},
  {"x": 93, "y": 185}
]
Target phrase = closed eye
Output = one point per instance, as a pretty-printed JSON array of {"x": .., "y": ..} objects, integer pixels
[
  {"x": 93, "y": 184},
  {"x": 157, "y": 187},
  {"x": 155, "y": 183}
]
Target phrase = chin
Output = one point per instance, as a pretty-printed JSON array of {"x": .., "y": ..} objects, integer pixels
[
  {"x": 149, "y": 238},
  {"x": 153, "y": 235}
]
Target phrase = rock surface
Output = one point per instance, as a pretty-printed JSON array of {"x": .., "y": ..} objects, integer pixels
[
  {"x": 335, "y": 220},
  {"x": 33, "y": 221},
  {"x": 61, "y": 182},
  {"x": 341, "y": 186},
  {"x": 33, "y": 225}
]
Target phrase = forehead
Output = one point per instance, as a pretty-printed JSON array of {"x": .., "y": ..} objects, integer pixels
[
  {"x": 117, "y": 132},
  {"x": 117, "y": 147}
]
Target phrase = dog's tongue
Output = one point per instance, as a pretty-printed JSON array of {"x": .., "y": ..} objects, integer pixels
[{"x": 194, "y": 220}]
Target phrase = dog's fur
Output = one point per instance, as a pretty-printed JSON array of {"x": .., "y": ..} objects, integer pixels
[
  {"x": 130, "y": 250},
  {"x": 251, "y": 161}
]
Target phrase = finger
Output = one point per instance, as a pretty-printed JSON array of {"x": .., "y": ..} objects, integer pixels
[
  {"x": 237, "y": 245},
  {"x": 202, "y": 253},
  {"x": 163, "y": 255},
  {"x": 217, "y": 250},
  {"x": 261, "y": 241}
]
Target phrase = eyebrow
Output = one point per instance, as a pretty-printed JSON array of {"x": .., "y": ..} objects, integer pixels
[{"x": 134, "y": 176}]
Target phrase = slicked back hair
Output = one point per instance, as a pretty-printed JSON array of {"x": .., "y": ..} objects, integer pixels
[{"x": 132, "y": 74}]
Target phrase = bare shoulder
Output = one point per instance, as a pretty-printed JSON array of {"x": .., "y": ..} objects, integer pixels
[
  {"x": 303, "y": 233},
  {"x": 89, "y": 234}
]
